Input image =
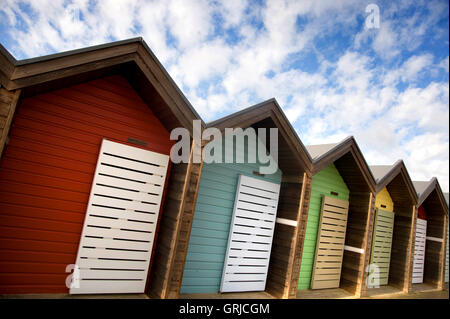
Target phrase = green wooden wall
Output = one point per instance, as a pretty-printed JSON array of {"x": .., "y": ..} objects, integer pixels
[
  {"x": 326, "y": 181},
  {"x": 211, "y": 224}
]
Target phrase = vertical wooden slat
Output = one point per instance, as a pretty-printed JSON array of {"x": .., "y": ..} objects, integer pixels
[{"x": 300, "y": 235}]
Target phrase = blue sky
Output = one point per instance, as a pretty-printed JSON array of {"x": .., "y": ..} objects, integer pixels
[{"x": 333, "y": 76}]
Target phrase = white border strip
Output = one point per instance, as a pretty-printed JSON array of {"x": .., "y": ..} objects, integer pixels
[
  {"x": 288, "y": 222},
  {"x": 439, "y": 240},
  {"x": 354, "y": 249}
]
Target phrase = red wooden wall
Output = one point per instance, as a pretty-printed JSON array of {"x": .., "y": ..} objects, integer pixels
[
  {"x": 47, "y": 170},
  {"x": 421, "y": 213}
]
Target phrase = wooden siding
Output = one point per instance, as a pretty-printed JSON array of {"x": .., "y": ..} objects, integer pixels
[
  {"x": 47, "y": 170},
  {"x": 384, "y": 201},
  {"x": 437, "y": 219},
  {"x": 326, "y": 182},
  {"x": 174, "y": 230},
  {"x": 359, "y": 235},
  {"x": 288, "y": 241},
  {"x": 446, "y": 260},
  {"x": 8, "y": 103},
  {"x": 210, "y": 226}
]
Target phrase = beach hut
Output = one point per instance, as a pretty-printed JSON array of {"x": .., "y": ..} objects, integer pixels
[
  {"x": 87, "y": 189},
  {"x": 246, "y": 224},
  {"x": 428, "y": 261},
  {"x": 339, "y": 223},
  {"x": 392, "y": 238}
]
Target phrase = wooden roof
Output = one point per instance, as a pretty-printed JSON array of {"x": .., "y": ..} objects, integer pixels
[
  {"x": 349, "y": 161},
  {"x": 293, "y": 158},
  {"x": 131, "y": 58},
  {"x": 430, "y": 192},
  {"x": 397, "y": 180}
]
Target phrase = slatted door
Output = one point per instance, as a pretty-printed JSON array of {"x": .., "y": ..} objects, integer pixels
[
  {"x": 382, "y": 243},
  {"x": 119, "y": 227},
  {"x": 251, "y": 233},
  {"x": 330, "y": 244},
  {"x": 419, "y": 251}
]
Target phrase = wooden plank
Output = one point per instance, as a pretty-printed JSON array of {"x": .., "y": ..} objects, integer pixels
[{"x": 5, "y": 124}]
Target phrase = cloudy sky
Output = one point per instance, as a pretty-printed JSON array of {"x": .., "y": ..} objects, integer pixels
[{"x": 333, "y": 74}]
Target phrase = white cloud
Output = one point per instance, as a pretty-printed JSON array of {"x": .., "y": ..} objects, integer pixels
[{"x": 228, "y": 55}]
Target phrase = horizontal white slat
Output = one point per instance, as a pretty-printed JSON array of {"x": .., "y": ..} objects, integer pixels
[
  {"x": 259, "y": 246},
  {"x": 258, "y": 200},
  {"x": 259, "y": 216},
  {"x": 118, "y": 213},
  {"x": 120, "y": 223},
  {"x": 256, "y": 208},
  {"x": 112, "y": 202},
  {"x": 130, "y": 164},
  {"x": 246, "y": 269},
  {"x": 239, "y": 277},
  {"x": 252, "y": 238},
  {"x": 109, "y": 287},
  {"x": 119, "y": 172},
  {"x": 134, "y": 152},
  {"x": 111, "y": 274},
  {"x": 259, "y": 231},
  {"x": 114, "y": 243},
  {"x": 111, "y": 264},
  {"x": 117, "y": 254},
  {"x": 243, "y": 286},
  {"x": 142, "y": 187},
  {"x": 288, "y": 222},
  {"x": 248, "y": 254},
  {"x": 258, "y": 192},
  {"x": 117, "y": 233},
  {"x": 251, "y": 222},
  {"x": 258, "y": 183},
  {"x": 139, "y": 196},
  {"x": 246, "y": 261}
]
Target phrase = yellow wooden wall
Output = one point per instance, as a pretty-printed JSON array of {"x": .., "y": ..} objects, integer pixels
[{"x": 383, "y": 198}]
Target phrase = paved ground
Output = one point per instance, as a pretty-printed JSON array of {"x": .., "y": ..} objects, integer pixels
[
  {"x": 241, "y": 295},
  {"x": 415, "y": 295},
  {"x": 386, "y": 293}
]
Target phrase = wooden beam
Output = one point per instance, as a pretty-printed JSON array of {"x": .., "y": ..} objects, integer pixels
[
  {"x": 300, "y": 236},
  {"x": 361, "y": 284},
  {"x": 7, "y": 109}
]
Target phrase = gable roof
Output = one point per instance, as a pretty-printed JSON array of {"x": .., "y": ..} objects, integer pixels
[
  {"x": 326, "y": 154},
  {"x": 270, "y": 114},
  {"x": 385, "y": 174},
  {"x": 425, "y": 188},
  {"x": 317, "y": 151},
  {"x": 132, "y": 58}
]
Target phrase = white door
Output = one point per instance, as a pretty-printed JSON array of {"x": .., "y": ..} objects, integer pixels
[
  {"x": 117, "y": 237},
  {"x": 419, "y": 251},
  {"x": 251, "y": 233}
]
